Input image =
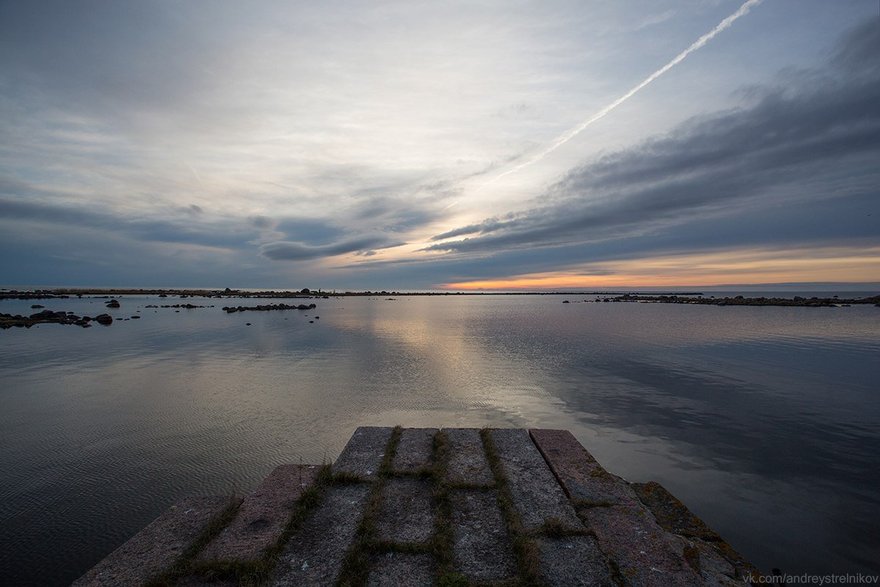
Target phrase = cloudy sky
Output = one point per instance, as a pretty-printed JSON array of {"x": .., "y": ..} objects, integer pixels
[{"x": 417, "y": 145}]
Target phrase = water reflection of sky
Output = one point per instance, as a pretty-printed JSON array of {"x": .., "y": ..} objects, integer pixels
[{"x": 763, "y": 420}]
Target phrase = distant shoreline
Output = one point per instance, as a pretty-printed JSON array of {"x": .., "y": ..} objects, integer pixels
[
  {"x": 698, "y": 298},
  {"x": 44, "y": 316},
  {"x": 49, "y": 293}
]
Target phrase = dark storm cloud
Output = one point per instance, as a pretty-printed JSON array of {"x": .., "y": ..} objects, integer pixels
[
  {"x": 301, "y": 238},
  {"x": 297, "y": 251},
  {"x": 185, "y": 230},
  {"x": 813, "y": 139},
  {"x": 69, "y": 255}
]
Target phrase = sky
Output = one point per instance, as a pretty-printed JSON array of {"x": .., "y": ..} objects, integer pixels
[{"x": 439, "y": 145}]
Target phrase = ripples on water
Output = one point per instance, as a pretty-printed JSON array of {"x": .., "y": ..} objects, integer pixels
[{"x": 765, "y": 421}]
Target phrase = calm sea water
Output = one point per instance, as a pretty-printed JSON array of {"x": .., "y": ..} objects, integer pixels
[{"x": 764, "y": 421}]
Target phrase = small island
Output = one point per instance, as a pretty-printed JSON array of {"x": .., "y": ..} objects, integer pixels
[{"x": 798, "y": 301}]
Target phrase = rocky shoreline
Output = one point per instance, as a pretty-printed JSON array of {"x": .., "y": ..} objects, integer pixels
[
  {"x": 50, "y": 317},
  {"x": 267, "y": 308},
  {"x": 71, "y": 319},
  {"x": 796, "y": 301}
]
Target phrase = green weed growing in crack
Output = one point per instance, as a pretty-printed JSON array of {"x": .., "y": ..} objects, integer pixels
[
  {"x": 525, "y": 548},
  {"x": 443, "y": 539},
  {"x": 356, "y": 566},
  {"x": 182, "y": 566}
]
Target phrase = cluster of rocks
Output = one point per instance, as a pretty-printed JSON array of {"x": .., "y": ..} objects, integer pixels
[
  {"x": 50, "y": 317},
  {"x": 69, "y": 318},
  {"x": 267, "y": 308},
  {"x": 184, "y": 306},
  {"x": 813, "y": 302}
]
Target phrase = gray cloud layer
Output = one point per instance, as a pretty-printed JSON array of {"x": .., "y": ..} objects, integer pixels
[
  {"x": 294, "y": 251},
  {"x": 817, "y": 137},
  {"x": 160, "y": 142}
]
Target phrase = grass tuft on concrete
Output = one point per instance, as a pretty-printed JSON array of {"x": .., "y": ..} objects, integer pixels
[
  {"x": 442, "y": 541},
  {"x": 244, "y": 573},
  {"x": 347, "y": 478},
  {"x": 524, "y": 547},
  {"x": 182, "y": 565},
  {"x": 356, "y": 566}
]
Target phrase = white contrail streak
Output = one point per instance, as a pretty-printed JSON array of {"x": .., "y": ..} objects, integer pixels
[{"x": 573, "y": 132}]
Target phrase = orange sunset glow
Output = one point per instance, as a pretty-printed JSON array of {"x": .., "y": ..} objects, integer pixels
[{"x": 753, "y": 267}]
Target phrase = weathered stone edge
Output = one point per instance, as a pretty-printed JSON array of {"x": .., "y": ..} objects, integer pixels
[
  {"x": 162, "y": 544},
  {"x": 674, "y": 517},
  {"x": 668, "y": 511}
]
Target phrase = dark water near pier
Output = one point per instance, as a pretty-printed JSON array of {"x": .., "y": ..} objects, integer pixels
[{"x": 765, "y": 421}]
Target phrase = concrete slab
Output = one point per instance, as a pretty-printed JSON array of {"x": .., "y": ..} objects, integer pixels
[
  {"x": 363, "y": 454},
  {"x": 414, "y": 450},
  {"x": 582, "y": 477},
  {"x": 644, "y": 554},
  {"x": 626, "y": 534},
  {"x": 262, "y": 516},
  {"x": 406, "y": 513},
  {"x": 467, "y": 459},
  {"x": 158, "y": 546},
  {"x": 482, "y": 549},
  {"x": 573, "y": 560},
  {"x": 394, "y": 569},
  {"x": 536, "y": 494},
  {"x": 315, "y": 554}
]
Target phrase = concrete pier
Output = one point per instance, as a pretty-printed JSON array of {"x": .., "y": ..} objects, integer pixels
[{"x": 433, "y": 507}]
